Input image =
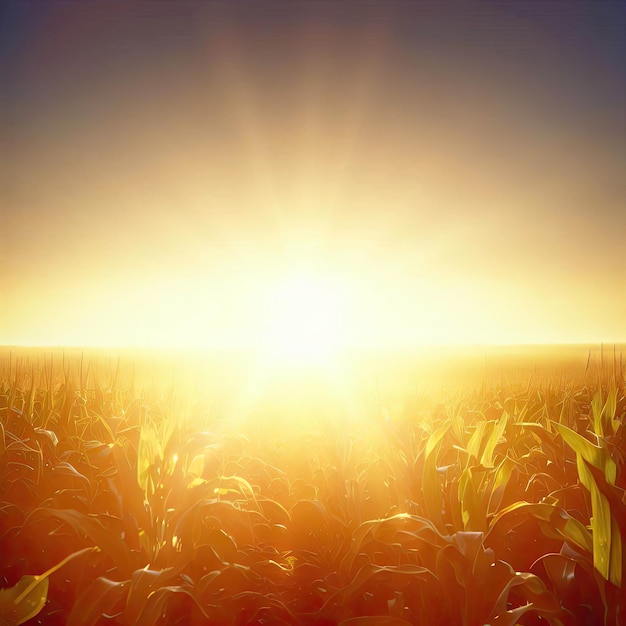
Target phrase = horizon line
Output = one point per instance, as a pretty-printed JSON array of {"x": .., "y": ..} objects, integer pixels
[{"x": 240, "y": 348}]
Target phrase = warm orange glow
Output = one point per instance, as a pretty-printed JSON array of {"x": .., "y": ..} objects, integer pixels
[
  {"x": 167, "y": 199},
  {"x": 303, "y": 312}
]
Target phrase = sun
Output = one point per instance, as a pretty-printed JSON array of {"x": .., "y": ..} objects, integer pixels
[{"x": 304, "y": 321}]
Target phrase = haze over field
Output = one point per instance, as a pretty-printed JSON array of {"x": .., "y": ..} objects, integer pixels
[
  {"x": 305, "y": 176},
  {"x": 312, "y": 312}
]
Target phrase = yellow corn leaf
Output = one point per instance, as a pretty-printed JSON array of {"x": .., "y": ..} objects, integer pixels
[
  {"x": 196, "y": 466},
  {"x": 475, "y": 441},
  {"x": 196, "y": 482},
  {"x": 603, "y": 412},
  {"x": 244, "y": 487},
  {"x": 616, "y": 556},
  {"x": 596, "y": 411},
  {"x": 434, "y": 440},
  {"x": 607, "y": 556},
  {"x": 556, "y": 518},
  {"x": 472, "y": 508},
  {"x": 609, "y": 409},
  {"x": 24, "y": 600},
  {"x": 431, "y": 485},
  {"x": 500, "y": 481},
  {"x": 492, "y": 441},
  {"x": 595, "y": 455},
  {"x": 148, "y": 453}
]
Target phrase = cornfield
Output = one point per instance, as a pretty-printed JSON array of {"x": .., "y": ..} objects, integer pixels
[{"x": 500, "y": 502}]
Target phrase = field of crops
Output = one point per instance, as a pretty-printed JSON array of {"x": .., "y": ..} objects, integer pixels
[{"x": 481, "y": 496}]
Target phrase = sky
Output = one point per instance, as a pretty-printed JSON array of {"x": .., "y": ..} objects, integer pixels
[{"x": 455, "y": 171}]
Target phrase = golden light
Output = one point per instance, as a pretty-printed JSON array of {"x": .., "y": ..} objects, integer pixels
[
  {"x": 303, "y": 322},
  {"x": 303, "y": 325}
]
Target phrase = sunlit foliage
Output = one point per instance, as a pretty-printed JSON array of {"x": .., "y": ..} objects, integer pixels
[{"x": 498, "y": 503}]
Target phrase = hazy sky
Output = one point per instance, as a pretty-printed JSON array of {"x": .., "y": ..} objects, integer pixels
[{"x": 458, "y": 169}]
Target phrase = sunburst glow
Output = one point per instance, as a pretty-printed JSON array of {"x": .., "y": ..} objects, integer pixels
[{"x": 303, "y": 321}]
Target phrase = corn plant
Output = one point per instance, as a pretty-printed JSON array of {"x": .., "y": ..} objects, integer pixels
[{"x": 502, "y": 503}]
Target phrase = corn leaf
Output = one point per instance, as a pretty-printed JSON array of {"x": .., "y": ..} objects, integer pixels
[
  {"x": 476, "y": 440},
  {"x": 24, "y": 600},
  {"x": 99, "y": 598},
  {"x": 148, "y": 454},
  {"x": 492, "y": 441},
  {"x": 607, "y": 558},
  {"x": 375, "y": 620},
  {"x": 472, "y": 508},
  {"x": 596, "y": 455},
  {"x": 90, "y": 527},
  {"x": 558, "y": 519}
]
